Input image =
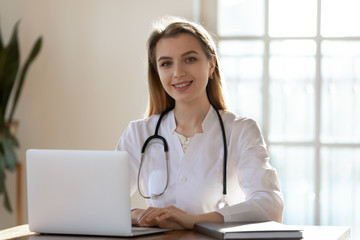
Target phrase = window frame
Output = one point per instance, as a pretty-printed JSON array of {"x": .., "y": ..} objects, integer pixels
[{"x": 207, "y": 16}]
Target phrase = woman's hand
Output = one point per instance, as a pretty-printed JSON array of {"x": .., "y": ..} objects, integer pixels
[
  {"x": 172, "y": 217},
  {"x": 169, "y": 217},
  {"x": 138, "y": 214}
]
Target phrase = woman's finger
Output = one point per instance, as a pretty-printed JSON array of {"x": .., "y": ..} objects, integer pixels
[
  {"x": 177, "y": 215},
  {"x": 166, "y": 214},
  {"x": 156, "y": 214},
  {"x": 169, "y": 217},
  {"x": 145, "y": 215}
]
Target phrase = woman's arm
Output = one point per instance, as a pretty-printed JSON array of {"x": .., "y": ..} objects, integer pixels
[
  {"x": 256, "y": 177},
  {"x": 209, "y": 217}
]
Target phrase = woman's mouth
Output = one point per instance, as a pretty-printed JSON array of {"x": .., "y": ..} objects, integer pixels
[{"x": 182, "y": 85}]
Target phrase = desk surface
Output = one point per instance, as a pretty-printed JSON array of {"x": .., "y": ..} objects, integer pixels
[{"x": 310, "y": 233}]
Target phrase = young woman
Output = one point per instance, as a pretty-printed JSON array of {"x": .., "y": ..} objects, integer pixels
[{"x": 202, "y": 163}]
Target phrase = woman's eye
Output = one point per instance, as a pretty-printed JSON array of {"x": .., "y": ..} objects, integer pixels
[
  {"x": 165, "y": 64},
  {"x": 190, "y": 59}
]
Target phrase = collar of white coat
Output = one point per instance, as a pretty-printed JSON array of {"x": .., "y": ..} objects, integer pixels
[{"x": 211, "y": 116}]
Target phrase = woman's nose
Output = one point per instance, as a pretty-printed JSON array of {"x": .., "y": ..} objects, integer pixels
[{"x": 179, "y": 72}]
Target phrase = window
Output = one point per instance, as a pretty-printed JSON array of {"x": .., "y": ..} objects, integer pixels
[{"x": 294, "y": 66}]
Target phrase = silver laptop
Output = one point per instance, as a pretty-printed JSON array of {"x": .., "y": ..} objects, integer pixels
[{"x": 80, "y": 192}]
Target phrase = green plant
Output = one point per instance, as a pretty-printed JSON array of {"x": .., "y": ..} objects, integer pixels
[{"x": 11, "y": 82}]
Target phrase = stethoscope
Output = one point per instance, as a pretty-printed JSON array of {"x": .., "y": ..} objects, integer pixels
[{"x": 222, "y": 203}]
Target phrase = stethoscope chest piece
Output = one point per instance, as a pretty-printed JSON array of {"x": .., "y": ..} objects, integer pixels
[{"x": 222, "y": 202}]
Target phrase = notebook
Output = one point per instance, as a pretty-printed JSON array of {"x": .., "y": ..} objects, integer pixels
[
  {"x": 82, "y": 192},
  {"x": 255, "y": 230}
]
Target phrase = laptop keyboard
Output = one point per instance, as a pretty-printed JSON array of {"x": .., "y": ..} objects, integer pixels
[{"x": 141, "y": 229}]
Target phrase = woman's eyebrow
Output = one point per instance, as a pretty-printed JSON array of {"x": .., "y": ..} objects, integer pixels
[
  {"x": 184, "y": 54},
  {"x": 189, "y": 52},
  {"x": 162, "y": 58}
]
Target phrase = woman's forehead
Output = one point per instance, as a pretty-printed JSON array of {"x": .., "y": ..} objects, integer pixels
[{"x": 178, "y": 44}]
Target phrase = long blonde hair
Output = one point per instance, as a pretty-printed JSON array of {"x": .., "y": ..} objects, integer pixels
[{"x": 159, "y": 100}]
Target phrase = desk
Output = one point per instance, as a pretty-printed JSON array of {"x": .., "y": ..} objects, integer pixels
[{"x": 310, "y": 233}]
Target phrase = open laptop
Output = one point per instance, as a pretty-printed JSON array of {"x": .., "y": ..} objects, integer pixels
[{"x": 80, "y": 192}]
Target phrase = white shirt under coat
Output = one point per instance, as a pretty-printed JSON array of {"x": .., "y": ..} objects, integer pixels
[{"x": 195, "y": 176}]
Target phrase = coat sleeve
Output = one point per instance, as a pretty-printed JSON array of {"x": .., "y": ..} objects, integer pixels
[
  {"x": 129, "y": 142},
  {"x": 256, "y": 177}
]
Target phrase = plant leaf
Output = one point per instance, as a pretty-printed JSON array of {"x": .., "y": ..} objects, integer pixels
[
  {"x": 7, "y": 203},
  {"x": 8, "y": 153},
  {"x": 9, "y": 65},
  {"x": 4, "y": 191},
  {"x": 5, "y": 131},
  {"x": 2, "y": 180},
  {"x": 2, "y": 162},
  {"x": 34, "y": 52},
  {"x": 7, "y": 161}
]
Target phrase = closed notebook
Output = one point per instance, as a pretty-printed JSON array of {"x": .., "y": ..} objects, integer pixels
[{"x": 261, "y": 230}]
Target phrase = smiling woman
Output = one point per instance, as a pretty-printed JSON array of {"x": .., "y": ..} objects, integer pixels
[
  {"x": 184, "y": 68},
  {"x": 213, "y": 157},
  {"x": 200, "y": 40}
]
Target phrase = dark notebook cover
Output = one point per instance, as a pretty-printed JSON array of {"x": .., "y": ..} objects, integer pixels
[{"x": 261, "y": 230}]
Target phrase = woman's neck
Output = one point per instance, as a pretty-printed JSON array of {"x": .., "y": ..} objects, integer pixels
[{"x": 189, "y": 117}]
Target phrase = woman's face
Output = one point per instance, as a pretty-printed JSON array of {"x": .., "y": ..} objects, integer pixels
[{"x": 183, "y": 68}]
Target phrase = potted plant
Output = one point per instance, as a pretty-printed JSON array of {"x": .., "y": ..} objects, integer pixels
[{"x": 11, "y": 82}]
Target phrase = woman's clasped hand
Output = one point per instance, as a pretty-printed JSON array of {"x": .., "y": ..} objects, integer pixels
[{"x": 170, "y": 217}]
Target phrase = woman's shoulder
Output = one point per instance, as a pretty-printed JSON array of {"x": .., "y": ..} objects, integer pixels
[
  {"x": 242, "y": 128},
  {"x": 231, "y": 117},
  {"x": 144, "y": 122},
  {"x": 147, "y": 120}
]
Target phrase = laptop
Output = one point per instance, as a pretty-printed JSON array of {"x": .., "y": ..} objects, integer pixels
[{"x": 84, "y": 192}]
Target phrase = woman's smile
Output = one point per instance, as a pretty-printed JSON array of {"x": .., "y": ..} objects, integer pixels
[{"x": 182, "y": 86}]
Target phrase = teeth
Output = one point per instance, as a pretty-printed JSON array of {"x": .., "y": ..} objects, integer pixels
[{"x": 182, "y": 85}]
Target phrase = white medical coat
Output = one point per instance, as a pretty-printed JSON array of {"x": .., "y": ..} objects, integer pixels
[{"x": 195, "y": 177}]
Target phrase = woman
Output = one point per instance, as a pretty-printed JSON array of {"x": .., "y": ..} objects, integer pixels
[{"x": 184, "y": 80}]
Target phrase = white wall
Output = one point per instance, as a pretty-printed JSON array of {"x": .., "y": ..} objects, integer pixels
[{"x": 89, "y": 80}]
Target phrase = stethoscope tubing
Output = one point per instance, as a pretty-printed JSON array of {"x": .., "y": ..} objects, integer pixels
[
  {"x": 225, "y": 150},
  {"x": 166, "y": 149}
]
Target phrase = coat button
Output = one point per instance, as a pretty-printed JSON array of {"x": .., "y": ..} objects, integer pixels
[{"x": 183, "y": 179}]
